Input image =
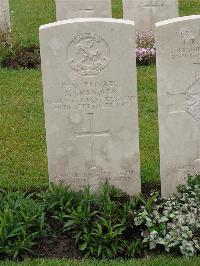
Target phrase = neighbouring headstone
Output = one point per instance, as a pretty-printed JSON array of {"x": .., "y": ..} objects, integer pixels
[
  {"x": 4, "y": 16},
  {"x": 90, "y": 96},
  {"x": 178, "y": 75},
  {"x": 146, "y": 13},
  {"x": 68, "y": 9}
]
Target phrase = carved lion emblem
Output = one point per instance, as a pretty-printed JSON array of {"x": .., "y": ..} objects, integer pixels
[
  {"x": 88, "y": 54},
  {"x": 193, "y": 100}
]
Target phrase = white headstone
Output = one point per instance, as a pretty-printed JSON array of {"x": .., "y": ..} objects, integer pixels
[
  {"x": 90, "y": 96},
  {"x": 4, "y": 16},
  {"x": 67, "y": 9},
  {"x": 178, "y": 75},
  {"x": 146, "y": 13}
]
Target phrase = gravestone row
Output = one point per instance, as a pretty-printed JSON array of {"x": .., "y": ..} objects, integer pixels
[
  {"x": 90, "y": 97},
  {"x": 145, "y": 13}
]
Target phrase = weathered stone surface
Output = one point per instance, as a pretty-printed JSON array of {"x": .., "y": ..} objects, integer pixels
[
  {"x": 90, "y": 97},
  {"x": 146, "y": 13},
  {"x": 67, "y": 9},
  {"x": 178, "y": 73},
  {"x": 4, "y": 16}
]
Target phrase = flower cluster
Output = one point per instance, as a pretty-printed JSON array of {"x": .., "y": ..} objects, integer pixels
[
  {"x": 145, "y": 48},
  {"x": 174, "y": 222}
]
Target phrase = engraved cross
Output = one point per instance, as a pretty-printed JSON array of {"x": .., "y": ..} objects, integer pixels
[{"x": 92, "y": 133}]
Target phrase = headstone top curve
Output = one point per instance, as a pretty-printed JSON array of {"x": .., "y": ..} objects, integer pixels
[
  {"x": 174, "y": 20},
  {"x": 80, "y": 20}
]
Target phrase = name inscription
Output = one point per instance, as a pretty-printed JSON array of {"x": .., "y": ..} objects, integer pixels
[{"x": 90, "y": 95}]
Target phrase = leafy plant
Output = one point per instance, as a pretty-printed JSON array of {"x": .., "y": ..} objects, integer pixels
[
  {"x": 99, "y": 223},
  {"x": 107, "y": 225},
  {"x": 133, "y": 248},
  {"x": 174, "y": 223},
  {"x": 80, "y": 217},
  {"x": 22, "y": 223},
  {"x": 59, "y": 201},
  {"x": 104, "y": 239}
]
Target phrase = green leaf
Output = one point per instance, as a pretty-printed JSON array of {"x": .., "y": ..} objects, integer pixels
[
  {"x": 99, "y": 228},
  {"x": 83, "y": 247},
  {"x": 99, "y": 250}
]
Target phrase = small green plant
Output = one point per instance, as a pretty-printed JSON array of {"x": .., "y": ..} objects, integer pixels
[
  {"x": 103, "y": 241},
  {"x": 99, "y": 223},
  {"x": 59, "y": 200},
  {"x": 22, "y": 223},
  {"x": 132, "y": 248},
  {"x": 79, "y": 220},
  {"x": 81, "y": 216}
]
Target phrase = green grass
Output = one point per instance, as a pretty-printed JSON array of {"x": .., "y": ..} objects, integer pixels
[
  {"x": 117, "y": 11},
  {"x": 23, "y": 156},
  {"x": 149, "y": 146},
  {"x": 189, "y": 7},
  {"x": 23, "y": 161},
  {"x": 26, "y": 18},
  {"x": 160, "y": 261}
]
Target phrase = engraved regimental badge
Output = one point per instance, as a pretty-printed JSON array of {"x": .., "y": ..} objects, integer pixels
[
  {"x": 88, "y": 54},
  {"x": 193, "y": 100}
]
